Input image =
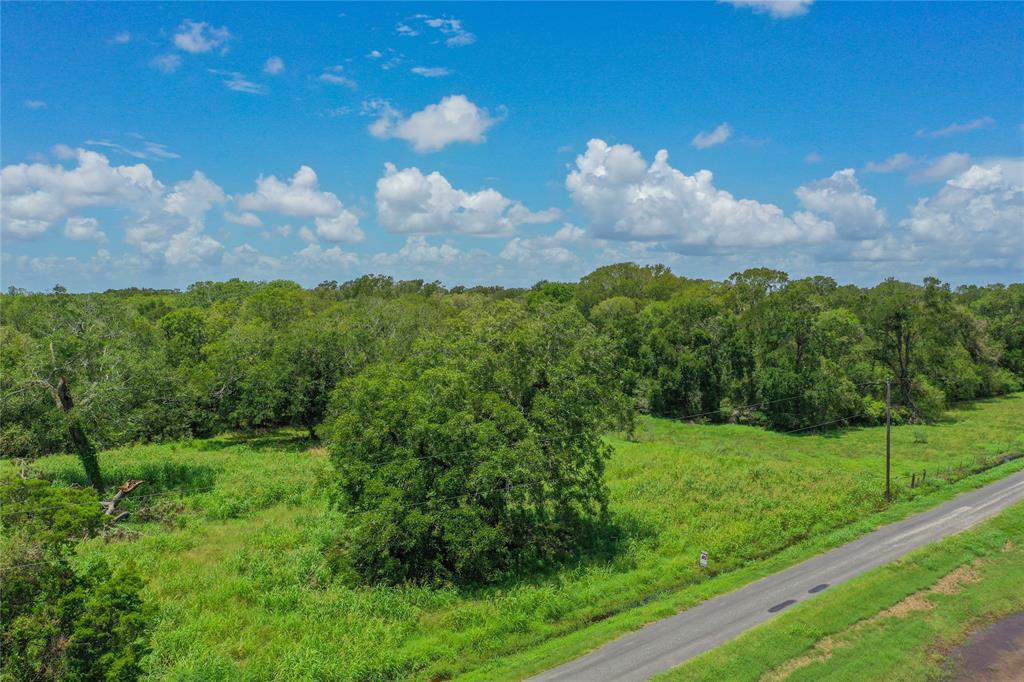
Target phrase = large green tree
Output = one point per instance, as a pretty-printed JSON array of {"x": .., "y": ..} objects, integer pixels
[{"x": 479, "y": 453}]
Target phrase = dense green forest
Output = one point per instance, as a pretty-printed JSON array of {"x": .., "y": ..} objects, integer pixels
[
  {"x": 463, "y": 425},
  {"x": 144, "y": 365}
]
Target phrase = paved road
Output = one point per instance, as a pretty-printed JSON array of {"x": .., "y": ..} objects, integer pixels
[{"x": 666, "y": 643}]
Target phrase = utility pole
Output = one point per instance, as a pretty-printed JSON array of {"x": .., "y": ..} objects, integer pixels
[{"x": 888, "y": 437}]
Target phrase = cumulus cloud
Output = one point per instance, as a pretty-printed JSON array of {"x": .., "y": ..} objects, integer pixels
[
  {"x": 191, "y": 248},
  {"x": 780, "y": 9},
  {"x": 943, "y": 168},
  {"x": 896, "y": 162},
  {"x": 417, "y": 250},
  {"x": 313, "y": 256},
  {"x": 35, "y": 104},
  {"x": 122, "y": 38},
  {"x": 301, "y": 197},
  {"x": 977, "y": 214},
  {"x": 193, "y": 198},
  {"x": 83, "y": 229},
  {"x": 841, "y": 199},
  {"x": 454, "y": 119},
  {"x": 198, "y": 36},
  {"x": 958, "y": 128},
  {"x": 628, "y": 200},
  {"x": 273, "y": 66},
  {"x": 37, "y": 195},
  {"x": 245, "y": 218},
  {"x": 717, "y": 136},
  {"x": 247, "y": 256},
  {"x": 409, "y": 201},
  {"x": 554, "y": 248},
  {"x": 167, "y": 63},
  {"x": 431, "y": 71}
]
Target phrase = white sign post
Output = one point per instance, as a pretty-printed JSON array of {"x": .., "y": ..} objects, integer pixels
[{"x": 703, "y": 559}]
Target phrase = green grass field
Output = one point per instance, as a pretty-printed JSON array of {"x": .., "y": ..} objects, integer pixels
[
  {"x": 235, "y": 534},
  {"x": 898, "y": 622}
]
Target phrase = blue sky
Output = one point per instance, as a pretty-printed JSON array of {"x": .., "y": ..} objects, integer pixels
[{"x": 155, "y": 145}]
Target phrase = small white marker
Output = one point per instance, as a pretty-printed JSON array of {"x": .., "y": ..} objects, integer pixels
[{"x": 703, "y": 559}]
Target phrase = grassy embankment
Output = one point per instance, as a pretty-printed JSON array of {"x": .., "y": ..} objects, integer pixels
[
  {"x": 236, "y": 554},
  {"x": 898, "y": 622}
]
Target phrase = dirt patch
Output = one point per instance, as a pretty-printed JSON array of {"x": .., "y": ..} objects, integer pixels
[
  {"x": 1009, "y": 546},
  {"x": 994, "y": 653},
  {"x": 951, "y": 583}
]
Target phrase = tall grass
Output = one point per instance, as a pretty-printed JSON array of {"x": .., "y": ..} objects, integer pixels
[{"x": 237, "y": 545}]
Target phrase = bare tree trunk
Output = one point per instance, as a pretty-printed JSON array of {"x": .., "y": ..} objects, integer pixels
[{"x": 79, "y": 440}]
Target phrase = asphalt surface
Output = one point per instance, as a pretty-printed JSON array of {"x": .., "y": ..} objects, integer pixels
[{"x": 666, "y": 643}]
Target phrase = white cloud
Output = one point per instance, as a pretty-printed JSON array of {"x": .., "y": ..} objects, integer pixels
[
  {"x": 167, "y": 63},
  {"x": 307, "y": 235},
  {"x": 83, "y": 229},
  {"x": 343, "y": 227},
  {"x": 408, "y": 201},
  {"x": 841, "y": 199},
  {"x": 375, "y": 54},
  {"x": 273, "y": 66},
  {"x": 717, "y": 136},
  {"x": 315, "y": 257},
  {"x": 191, "y": 248},
  {"x": 780, "y": 9},
  {"x": 121, "y": 38},
  {"x": 238, "y": 82},
  {"x": 896, "y": 162},
  {"x": 35, "y": 104},
  {"x": 431, "y": 71},
  {"x": 37, "y": 195},
  {"x": 144, "y": 149},
  {"x": 248, "y": 256},
  {"x": 198, "y": 36},
  {"x": 943, "y": 168},
  {"x": 332, "y": 75},
  {"x": 193, "y": 198},
  {"x": 979, "y": 214},
  {"x": 301, "y": 197},
  {"x": 549, "y": 249},
  {"x": 417, "y": 250},
  {"x": 957, "y": 128},
  {"x": 450, "y": 28},
  {"x": 454, "y": 119},
  {"x": 628, "y": 200},
  {"x": 245, "y": 218},
  {"x": 337, "y": 79}
]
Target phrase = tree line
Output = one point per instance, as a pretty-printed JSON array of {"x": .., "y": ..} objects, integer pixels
[
  {"x": 145, "y": 365},
  {"x": 464, "y": 423}
]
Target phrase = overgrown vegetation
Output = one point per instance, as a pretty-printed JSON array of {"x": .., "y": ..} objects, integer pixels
[
  {"x": 237, "y": 547},
  {"x": 59, "y": 621},
  {"x": 465, "y": 505}
]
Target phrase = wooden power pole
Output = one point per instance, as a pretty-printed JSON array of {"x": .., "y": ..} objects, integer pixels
[{"x": 888, "y": 437}]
